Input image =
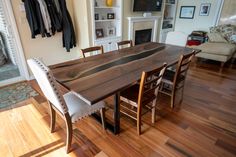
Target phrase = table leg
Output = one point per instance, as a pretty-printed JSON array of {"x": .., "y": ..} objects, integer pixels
[
  {"x": 115, "y": 126},
  {"x": 117, "y": 113}
]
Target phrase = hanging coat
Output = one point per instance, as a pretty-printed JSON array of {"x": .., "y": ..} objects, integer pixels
[
  {"x": 34, "y": 18},
  {"x": 55, "y": 16},
  {"x": 45, "y": 15},
  {"x": 68, "y": 36},
  {"x": 31, "y": 17}
]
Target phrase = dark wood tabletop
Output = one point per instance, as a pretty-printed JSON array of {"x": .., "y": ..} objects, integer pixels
[{"x": 97, "y": 77}]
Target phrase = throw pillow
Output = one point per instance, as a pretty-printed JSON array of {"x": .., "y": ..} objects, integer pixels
[
  {"x": 228, "y": 31},
  {"x": 233, "y": 39},
  {"x": 216, "y": 38}
]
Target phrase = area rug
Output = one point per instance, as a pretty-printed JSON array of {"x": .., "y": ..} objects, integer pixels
[{"x": 15, "y": 93}]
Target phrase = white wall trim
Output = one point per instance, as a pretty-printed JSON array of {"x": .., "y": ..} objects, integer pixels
[
  {"x": 220, "y": 6},
  {"x": 20, "y": 53},
  {"x": 136, "y": 19},
  {"x": 11, "y": 81}
]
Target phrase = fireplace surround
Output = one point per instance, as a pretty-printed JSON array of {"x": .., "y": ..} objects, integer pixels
[{"x": 143, "y": 25}]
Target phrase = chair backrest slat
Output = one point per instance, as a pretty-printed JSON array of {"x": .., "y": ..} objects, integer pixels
[
  {"x": 150, "y": 81},
  {"x": 48, "y": 84},
  {"x": 151, "y": 89},
  {"x": 126, "y": 42},
  {"x": 92, "y": 49},
  {"x": 182, "y": 67},
  {"x": 153, "y": 80}
]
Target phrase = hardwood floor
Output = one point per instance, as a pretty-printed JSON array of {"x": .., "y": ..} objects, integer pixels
[{"x": 204, "y": 125}]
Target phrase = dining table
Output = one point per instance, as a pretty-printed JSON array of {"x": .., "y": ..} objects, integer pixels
[{"x": 98, "y": 77}]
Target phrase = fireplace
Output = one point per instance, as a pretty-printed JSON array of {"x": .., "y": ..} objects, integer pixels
[
  {"x": 143, "y": 29},
  {"x": 143, "y": 36}
]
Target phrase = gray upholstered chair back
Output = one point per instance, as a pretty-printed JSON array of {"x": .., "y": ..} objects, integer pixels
[{"x": 47, "y": 84}]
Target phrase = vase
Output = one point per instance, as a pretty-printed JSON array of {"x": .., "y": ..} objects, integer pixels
[{"x": 109, "y": 3}]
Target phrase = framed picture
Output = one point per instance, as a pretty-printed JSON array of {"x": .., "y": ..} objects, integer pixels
[
  {"x": 99, "y": 33},
  {"x": 205, "y": 9},
  {"x": 110, "y": 15},
  {"x": 96, "y": 16},
  {"x": 187, "y": 12},
  {"x": 111, "y": 31}
]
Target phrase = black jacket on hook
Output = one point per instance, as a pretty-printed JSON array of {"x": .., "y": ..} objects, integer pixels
[
  {"x": 55, "y": 17},
  {"x": 34, "y": 17},
  {"x": 60, "y": 21},
  {"x": 69, "y": 40}
]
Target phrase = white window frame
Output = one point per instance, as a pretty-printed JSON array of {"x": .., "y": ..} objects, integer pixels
[{"x": 19, "y": 50}]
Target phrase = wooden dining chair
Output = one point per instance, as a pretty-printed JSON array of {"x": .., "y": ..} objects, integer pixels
[
  {"x": 128, "y": 43},
  {"x": 92, "y": 49},
  {"x": 175, "y": 80},
  {"x": 69, "y": 106},
  {"x": 141, "y": 98}
]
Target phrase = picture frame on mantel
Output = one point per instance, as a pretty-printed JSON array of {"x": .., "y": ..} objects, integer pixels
[
  {"x": 205, "y": 9},
  {"x": 187, "y": 12}
]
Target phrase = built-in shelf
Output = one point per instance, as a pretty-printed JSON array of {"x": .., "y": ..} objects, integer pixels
[
  {"x": 171, "y": 4},
  {"x": 167, "y": 29},
  {"x": 107, "y": 29},
  {"x": 105, "y": 7},
  {"x": 107, "y": 38},
  {"x": 107, "y": 20},
  {"x": 168, "y": 20}
]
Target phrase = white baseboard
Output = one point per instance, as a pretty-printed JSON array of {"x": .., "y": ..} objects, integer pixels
[{"x": 12, "y": 81}]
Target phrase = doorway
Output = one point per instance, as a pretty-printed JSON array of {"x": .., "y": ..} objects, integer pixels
[{"x": 12, "y": 62}]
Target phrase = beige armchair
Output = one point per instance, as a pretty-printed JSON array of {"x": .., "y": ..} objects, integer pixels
[{"x": 221, "y": 46}]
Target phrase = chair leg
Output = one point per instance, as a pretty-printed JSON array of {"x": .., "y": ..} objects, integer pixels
[
  {"x": 102, "y": 112},
  {"x": 232, "y": 62},
  {"x": 221, "y": 67},
  {"x": 139, "y": 125},
  {"x": 154, "y": 111},
  {"x": 195, "y": 61},
  {"x": 69, "y": 132},
  {"x": 52, "y": 118},
  {"x": 182, "y": 95},
  {"x": 173, "y": 98},
  {"x": 139, "y": 121},
  {"x": 153, "y": 115}
]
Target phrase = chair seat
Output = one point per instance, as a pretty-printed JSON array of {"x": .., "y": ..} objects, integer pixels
[
  {"x": 79, "y": 109},
  {"x": 169, "y": 75},
  {"x": 130, "y": 96}
]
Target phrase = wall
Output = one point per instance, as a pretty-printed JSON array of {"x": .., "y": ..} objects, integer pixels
[
  {"x": 127, "y": 12},
  {"x": 198, "y": 22},
  {"x": 82, "y": 18},
  {"x": 50, "y": 50},
  {"x": 228, "y": 14}
]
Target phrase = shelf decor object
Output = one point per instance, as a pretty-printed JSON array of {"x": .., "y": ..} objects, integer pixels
[
  {"x": 110, "y": 16},
  {"x": 109, "y": 3},
  {"x": 111, "y": 31},
  {"x": 205, "y": 9},
  {"x": 96, "y": 16},
  {"x": 99, "y": 33},
  {"x": 187, "y": 12}
]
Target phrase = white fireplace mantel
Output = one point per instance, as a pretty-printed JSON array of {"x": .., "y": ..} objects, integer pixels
[{"x": 142, "y": 21}]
